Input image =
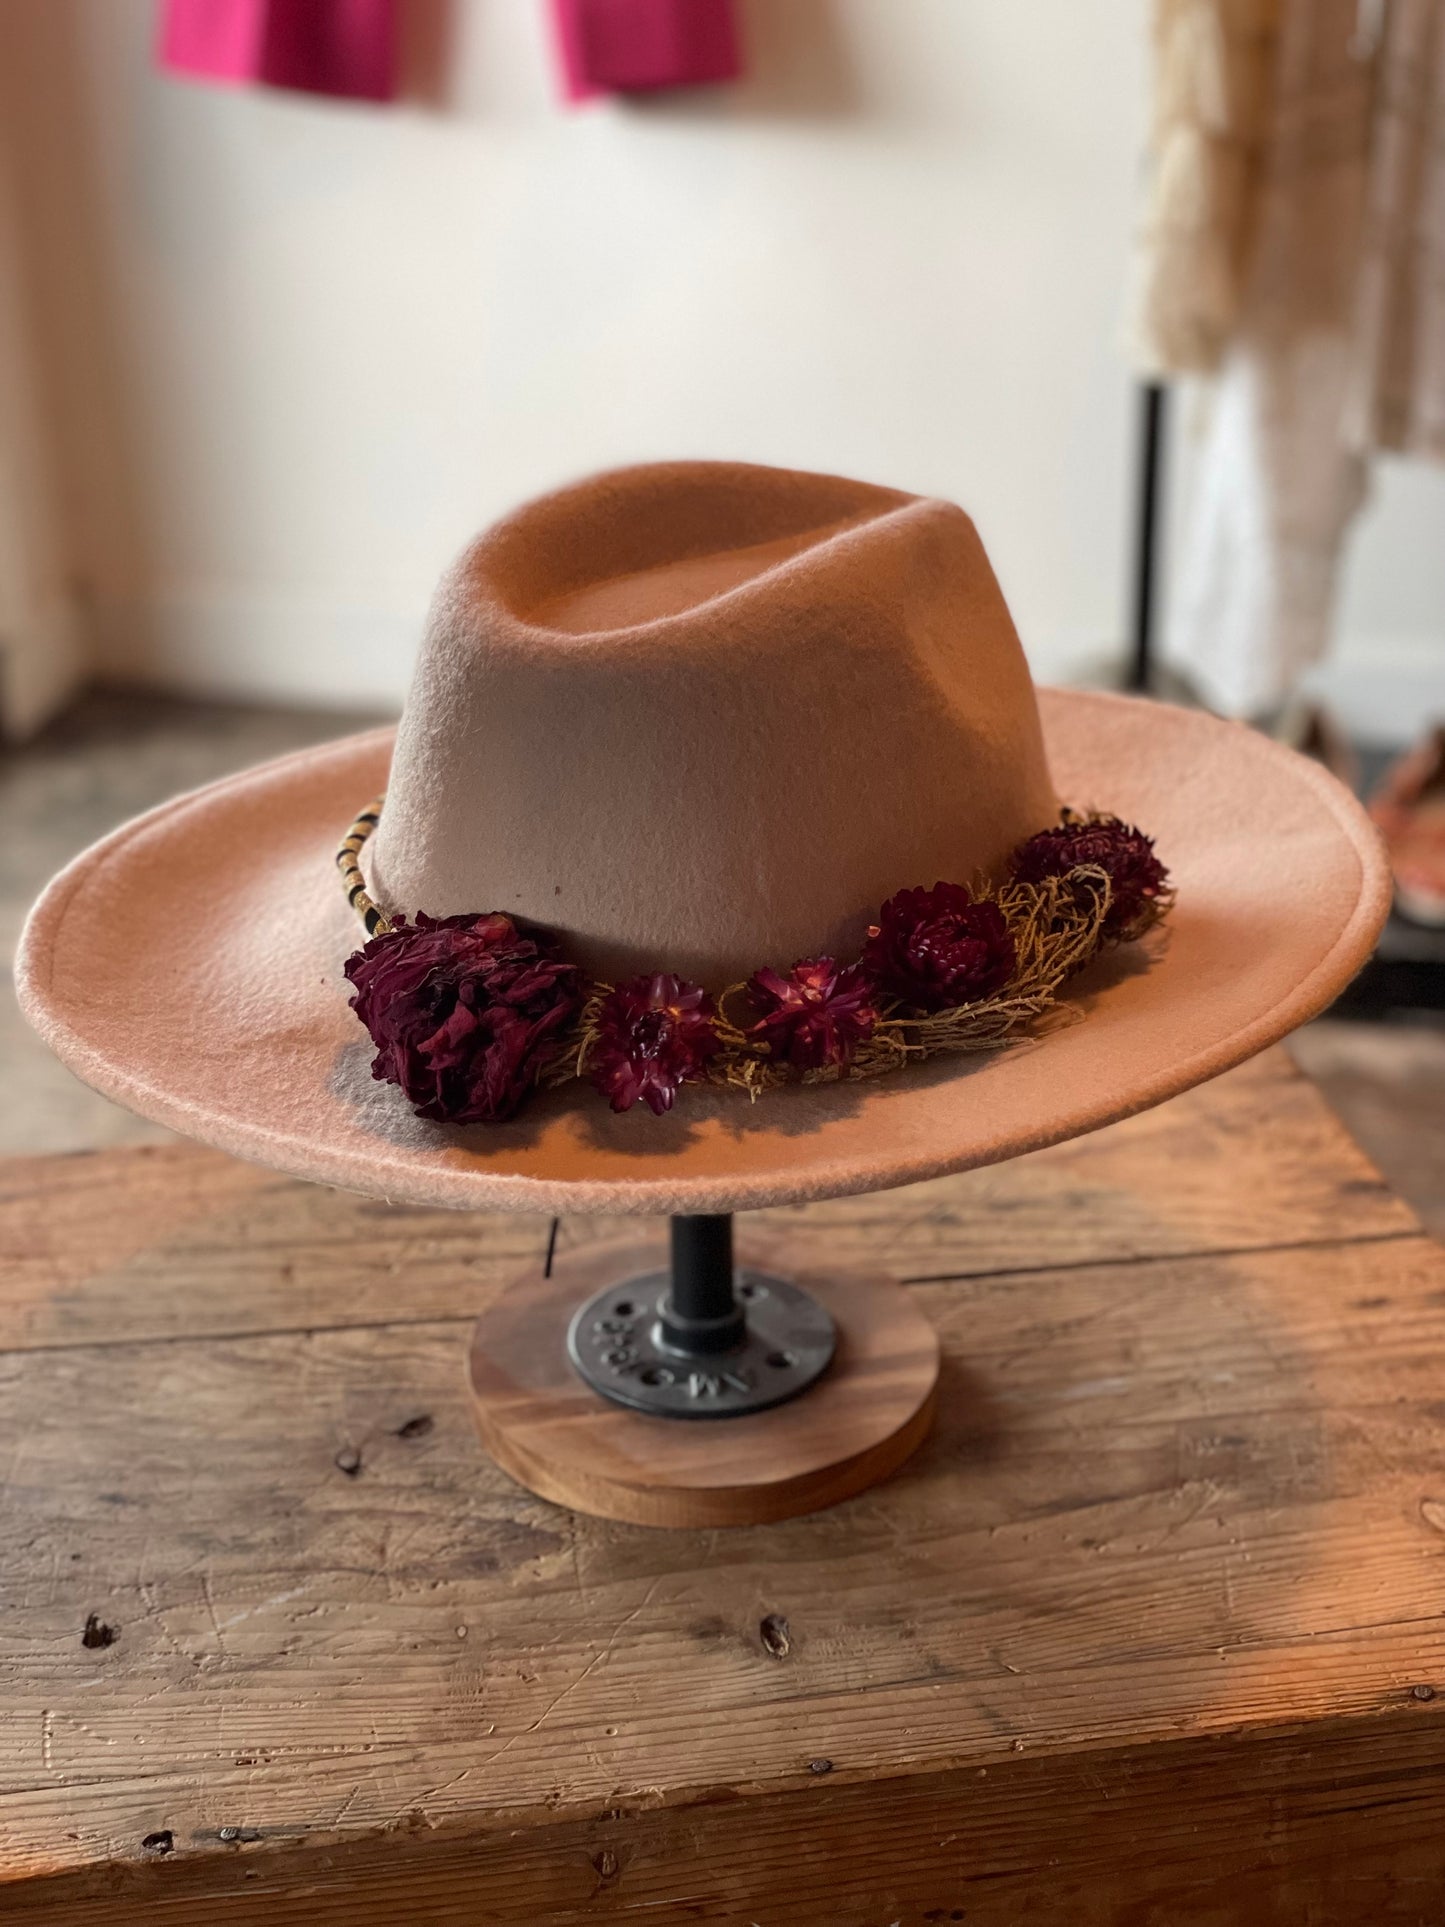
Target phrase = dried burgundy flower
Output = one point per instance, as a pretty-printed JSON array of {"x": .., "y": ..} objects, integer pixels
[
  {"x": 1136, "y": 875},
  {"x": 653, "y": 1034},
  {"x": 938, "y": 948},
  {"x": 818, "y": 1014},
  {"x": 460, "y": 1010}
]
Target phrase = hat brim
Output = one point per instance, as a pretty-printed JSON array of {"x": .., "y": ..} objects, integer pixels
[{"x": 189, "y": 966}]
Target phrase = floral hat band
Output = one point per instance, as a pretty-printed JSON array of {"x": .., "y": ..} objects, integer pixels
[{"x": 471, "y": 1013}]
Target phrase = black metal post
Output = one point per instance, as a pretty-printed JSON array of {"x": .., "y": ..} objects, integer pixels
[
  {"x": 701, "y": 1315},
  {"x": 1146, "y": 533}
]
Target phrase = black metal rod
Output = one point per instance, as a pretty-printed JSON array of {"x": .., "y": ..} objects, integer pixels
[
  {"x": 701, "y": 1314},
  {"x": 1146, "y": 533}
]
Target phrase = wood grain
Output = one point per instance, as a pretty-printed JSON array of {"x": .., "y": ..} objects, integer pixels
[
  {"x": 1345, "y": 1824},
  {"x": 1149, "y": 1630},
  {"x": 866, "y": 1416},
  {"x": 169, "y": 1241}
]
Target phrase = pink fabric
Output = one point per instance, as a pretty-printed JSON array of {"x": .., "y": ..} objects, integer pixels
[
  {"x": 342, "y": 47},
  {"x": 637, "y": 46}
]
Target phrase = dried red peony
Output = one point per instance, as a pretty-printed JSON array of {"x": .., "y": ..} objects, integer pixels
[
  {"x": 460, "y": 1010},
  {"x": 1126, "y": 854},
  {"x": 653, "y": 1034},
  {"x": 937, "y": 948},
  {"x": 818, "y": 1014}
]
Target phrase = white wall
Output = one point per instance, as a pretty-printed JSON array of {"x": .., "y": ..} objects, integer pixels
[
  {"x": 42, "y": 640},
  {"x": 1387, "y": 672},
  {"x": 332, "y": 341},
  {"x": 41, "y": 646}
]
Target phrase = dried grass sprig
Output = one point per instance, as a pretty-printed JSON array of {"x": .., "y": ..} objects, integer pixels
[{"x": 1057, "y": 929}]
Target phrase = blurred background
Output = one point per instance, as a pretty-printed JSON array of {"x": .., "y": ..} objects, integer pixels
[{"x": 285, "y": 320}]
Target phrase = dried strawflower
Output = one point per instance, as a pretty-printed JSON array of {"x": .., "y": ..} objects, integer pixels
[
  {"x": 818, "y": 1014},
  {"x": 651, "y": 1036},
  {"x": 938, "y": 948},
  {"x": 461, "y": 1010},
  {"x": 1137, "y": 879}
]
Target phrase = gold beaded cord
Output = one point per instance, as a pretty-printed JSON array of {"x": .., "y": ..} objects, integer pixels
[
  {"x": 348, "y": 861},
  {"x": 1057, "y": 927}
]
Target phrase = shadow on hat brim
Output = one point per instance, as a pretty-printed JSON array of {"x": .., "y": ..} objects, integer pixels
[{"x": 189, "y": 966}]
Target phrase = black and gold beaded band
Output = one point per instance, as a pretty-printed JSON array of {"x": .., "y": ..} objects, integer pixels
[{"x": 348, "y": 862}]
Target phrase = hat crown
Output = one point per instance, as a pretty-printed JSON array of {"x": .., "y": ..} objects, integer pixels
[{"x": 707, "y": 716}]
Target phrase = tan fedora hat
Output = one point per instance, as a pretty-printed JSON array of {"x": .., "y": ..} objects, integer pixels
[{"x": 700, "y": 718}]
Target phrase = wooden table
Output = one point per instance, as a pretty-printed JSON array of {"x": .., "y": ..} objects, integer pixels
[{"x": 1152, "y": 1632}]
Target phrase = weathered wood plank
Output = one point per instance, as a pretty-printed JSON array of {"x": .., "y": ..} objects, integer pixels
[
  {"x": 1150, "y": 1631},
  {"x": 1166, "y": 1499},
  {"x": 170, "y": 1241},
  {"x": 1343, "y": 1826}
]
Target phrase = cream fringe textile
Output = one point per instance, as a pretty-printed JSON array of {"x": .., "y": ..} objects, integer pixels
[
  {"x": 1214, "y": 67},
  {"x": 1294, "y": 245}
]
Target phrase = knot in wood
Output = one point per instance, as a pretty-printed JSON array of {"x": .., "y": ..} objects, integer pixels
[{"x": 777, "y": 1638}]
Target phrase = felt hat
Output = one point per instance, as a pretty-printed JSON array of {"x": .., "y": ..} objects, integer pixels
[{"x": 698, "y": 717}]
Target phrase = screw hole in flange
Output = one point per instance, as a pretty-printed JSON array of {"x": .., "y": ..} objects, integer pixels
[
  {"x": 781, "y": 1361},
  {"x": 624, "y": 1308}
]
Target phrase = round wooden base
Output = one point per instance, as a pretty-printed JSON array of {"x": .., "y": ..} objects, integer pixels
[{"x": 553, "y": 1434}]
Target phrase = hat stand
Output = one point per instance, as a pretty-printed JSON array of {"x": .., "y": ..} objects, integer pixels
[{"x": 700, "y": 1387}]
